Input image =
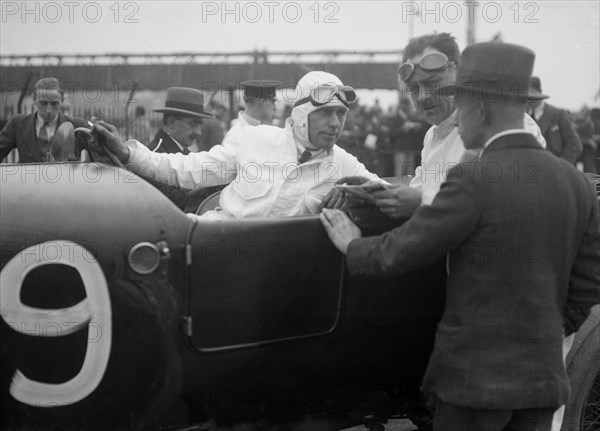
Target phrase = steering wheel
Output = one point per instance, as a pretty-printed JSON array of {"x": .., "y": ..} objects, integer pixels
[{"x": 96, "y": 149}]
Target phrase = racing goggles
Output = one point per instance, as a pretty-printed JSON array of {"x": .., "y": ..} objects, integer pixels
[
  {"x": 323, "y": 94},
  {"x": 432, "y": 62}
]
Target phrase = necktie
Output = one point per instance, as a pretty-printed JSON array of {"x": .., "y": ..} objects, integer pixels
[
  {"x": 44, "y": 143},
  {"x": 43, "y": 135},
  {"x": 304, "y": 156}
]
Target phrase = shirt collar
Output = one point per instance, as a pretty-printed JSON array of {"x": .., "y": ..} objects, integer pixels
[
  {"x": 503, "y": 133},
  {"x": 39, "y": 121},
  {"x": 445, "y": 127},
  {"x": 538, "y": 111}
]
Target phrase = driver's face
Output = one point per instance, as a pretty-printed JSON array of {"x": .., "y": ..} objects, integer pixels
[{"x": 325, "y": 126}]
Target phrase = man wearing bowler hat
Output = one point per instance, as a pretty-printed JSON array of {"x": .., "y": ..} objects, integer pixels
[
  {"x": 182, "y": 117},
  {"x": 555, "y": 123},
  {"x": 515, "y": 286}
]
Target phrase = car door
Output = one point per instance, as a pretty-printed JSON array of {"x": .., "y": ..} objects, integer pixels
[{"x": 261, "y": 281}]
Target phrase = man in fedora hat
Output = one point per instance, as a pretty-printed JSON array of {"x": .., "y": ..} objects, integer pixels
[
  {"x": 182, "y": 117},
  {"x": 514, "y": 285},
  {"x": 555, "y": 123},
  {"x": 271, "y": 171}
]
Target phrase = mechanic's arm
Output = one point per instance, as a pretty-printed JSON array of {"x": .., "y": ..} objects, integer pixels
[
  {"x": 572, "y": 146},
  {"x": 398, "y": 200},
  {"x": 433, "y": 231},
  {"x": 191, "y": 171},
  {"x": 8, "y": 138},
  {"x": 354, "y": 173},
  {"x": 584, "y": 285}
]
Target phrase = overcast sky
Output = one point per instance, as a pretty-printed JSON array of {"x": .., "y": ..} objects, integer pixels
[{"x": 564, "y": 34}]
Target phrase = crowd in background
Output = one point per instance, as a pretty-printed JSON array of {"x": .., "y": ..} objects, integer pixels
[{"x": 388, "y": 141}]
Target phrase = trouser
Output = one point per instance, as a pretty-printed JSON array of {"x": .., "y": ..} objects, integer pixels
[
  {"x": 448, "y": 417},
  {"x": 557, "y": 420}
]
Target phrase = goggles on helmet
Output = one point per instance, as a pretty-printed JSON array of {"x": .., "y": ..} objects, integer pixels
[{"x": 323, "y": 94}]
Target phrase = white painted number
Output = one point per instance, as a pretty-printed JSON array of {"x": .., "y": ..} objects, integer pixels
[{"x": 93, "y": 310}]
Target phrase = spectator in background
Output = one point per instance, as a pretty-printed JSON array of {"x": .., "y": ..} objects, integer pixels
[
  {"x": 405, "y": 142},
  {"x": 33, "y": 134},
  {"x": 585, "y": 130},
  {"x": 182, "y": 117},
  {"x": 211, "y": 134},
  {"x": 556, "y": 125},
  {"x": 595, "y": 117},
  {"x": 260, "y": 98},
  {"x": 140, "y": 127}
]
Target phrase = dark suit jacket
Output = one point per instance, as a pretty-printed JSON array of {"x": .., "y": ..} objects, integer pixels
[
  {"x": 179, "y": 196},
  {"x": 560, "y": 133},
  {"x": 168, "y": 145},
  {"x": 522, "y": 230},
  {"x": 20, "y": 133}
]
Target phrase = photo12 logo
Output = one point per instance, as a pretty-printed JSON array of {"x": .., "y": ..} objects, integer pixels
[
  {"x": 486, "y": 11},
  {"x": 270, "y": 12},
  {"x": 69, "y": 12}
]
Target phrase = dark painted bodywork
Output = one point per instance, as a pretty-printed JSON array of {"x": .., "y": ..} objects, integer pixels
[{"x": 241, "y": 320}]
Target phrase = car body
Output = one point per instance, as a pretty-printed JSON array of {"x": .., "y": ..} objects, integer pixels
[{"x": 120, "y": 312}]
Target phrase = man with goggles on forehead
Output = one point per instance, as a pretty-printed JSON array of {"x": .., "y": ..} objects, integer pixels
[
  {"x": 429, "y": 64},
  {"x": 272, "y": 171}
]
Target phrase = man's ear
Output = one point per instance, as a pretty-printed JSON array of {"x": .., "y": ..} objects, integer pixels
[
  {"x": 483, "y": 113},
  {"x": 171, "y": 121}
]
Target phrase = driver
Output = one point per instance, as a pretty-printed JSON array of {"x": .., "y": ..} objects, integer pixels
[{"x": 272, "y": 172}]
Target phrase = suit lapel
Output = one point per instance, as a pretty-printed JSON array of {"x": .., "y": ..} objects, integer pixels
[{"x": 169, "y": 145}]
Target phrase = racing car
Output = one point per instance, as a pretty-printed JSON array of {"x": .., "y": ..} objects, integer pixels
[{"x": 120, "y": 312}]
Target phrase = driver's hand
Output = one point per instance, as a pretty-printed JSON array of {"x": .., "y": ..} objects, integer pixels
[
  {"x": 108, "y": 134},
  {"x": 337, "y": 199}
]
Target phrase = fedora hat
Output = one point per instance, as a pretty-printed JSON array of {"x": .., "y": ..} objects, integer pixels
[
  {"x": 496, "y": 70},
  {"x": 535, "y": 89},
  {"x": 184, "y": 101}
]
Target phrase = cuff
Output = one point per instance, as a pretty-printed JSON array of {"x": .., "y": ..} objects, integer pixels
[{"x": 136, "y": 153}]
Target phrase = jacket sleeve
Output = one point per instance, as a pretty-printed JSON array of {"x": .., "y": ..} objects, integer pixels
[
  {"x": 584, "y": 285},
  {"x": 206, "y": 168},
  {"x": 8, "y": 138},
  {"x": 572, "y": 147},
  {"x": 432, "y": 231}
]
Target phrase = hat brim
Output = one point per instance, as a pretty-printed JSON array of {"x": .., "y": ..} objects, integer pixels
[
  {"x": 458, "y": 90},
  {"x": 183, "y": 112},
  {"x": 536, "y": 95}
]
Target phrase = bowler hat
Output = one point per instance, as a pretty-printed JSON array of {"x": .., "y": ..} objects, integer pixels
[
  {"x": 260, "y": 89},
  {"x": 184, "y": 101},
  {"x": 497, "y": 70}
]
